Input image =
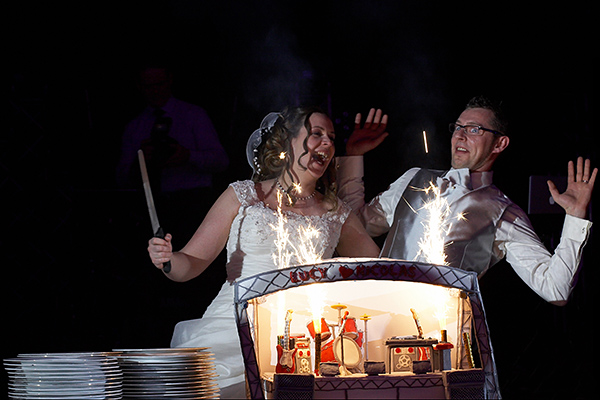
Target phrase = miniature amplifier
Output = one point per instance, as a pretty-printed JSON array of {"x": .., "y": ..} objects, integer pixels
[
  {"x": 404, "y": 351},
  {"x": 303, "y": 360}
]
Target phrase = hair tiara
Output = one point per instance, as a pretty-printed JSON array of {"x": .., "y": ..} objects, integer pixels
[{"x": 257, "y": 137}]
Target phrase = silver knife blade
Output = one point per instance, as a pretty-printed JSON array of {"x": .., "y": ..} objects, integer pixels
[
  {"x": 156, "y": 228},
  {"x": 148, "y": 193}
]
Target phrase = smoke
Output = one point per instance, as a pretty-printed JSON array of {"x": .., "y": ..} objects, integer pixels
[
  {"x": 419, "y": 101},
  {"x": 275, "y": 75}
]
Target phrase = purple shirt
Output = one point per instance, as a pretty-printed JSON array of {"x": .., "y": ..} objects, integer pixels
[{"x": 193, "y": 129}]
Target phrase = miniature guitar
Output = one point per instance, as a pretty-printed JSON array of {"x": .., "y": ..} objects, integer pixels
[
  {"x": 286, "y": 360},
  {"x": 417, "y": 322}
]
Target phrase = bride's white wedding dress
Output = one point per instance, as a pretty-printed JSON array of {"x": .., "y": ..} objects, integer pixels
[{"x": 250, "y": 250}]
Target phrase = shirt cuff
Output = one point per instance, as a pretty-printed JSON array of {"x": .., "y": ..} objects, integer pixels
[{"x": 577, "y": 229}]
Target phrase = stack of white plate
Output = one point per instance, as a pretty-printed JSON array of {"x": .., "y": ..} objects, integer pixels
[
  {"x": 64, "y": 376},
  {"x": 181, "y": 373}
]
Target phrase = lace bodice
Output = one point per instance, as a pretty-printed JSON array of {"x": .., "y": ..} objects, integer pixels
[
  {"x": 252, "y": 239},
  {"x": 250, "y": 249}
]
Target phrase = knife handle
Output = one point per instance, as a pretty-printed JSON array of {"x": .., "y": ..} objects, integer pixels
[{"x": 161, "y": 234}]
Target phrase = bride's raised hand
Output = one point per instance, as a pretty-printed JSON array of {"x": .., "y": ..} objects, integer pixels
[{"x": 370, "y": 135}]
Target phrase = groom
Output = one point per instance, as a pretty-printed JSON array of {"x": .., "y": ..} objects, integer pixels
[{"x": 490, "y": 226}]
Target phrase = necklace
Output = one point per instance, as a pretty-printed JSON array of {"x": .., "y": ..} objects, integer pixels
[{"x": 286, "y": 191}]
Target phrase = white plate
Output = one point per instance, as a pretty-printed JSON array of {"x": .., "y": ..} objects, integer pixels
[
  {"x": 168, "y": 350},
  {"x": 64, "y": 376},
  {"x": 66, "y": 356}
]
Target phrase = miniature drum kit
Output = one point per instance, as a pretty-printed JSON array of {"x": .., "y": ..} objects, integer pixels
[{"x": 338, "y": 346}]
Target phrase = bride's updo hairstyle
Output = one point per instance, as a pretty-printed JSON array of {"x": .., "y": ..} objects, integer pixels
[{"x": 274, "y": 157}]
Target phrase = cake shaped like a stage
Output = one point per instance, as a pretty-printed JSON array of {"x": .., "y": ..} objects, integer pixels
[{"x": 380, "y": 328}]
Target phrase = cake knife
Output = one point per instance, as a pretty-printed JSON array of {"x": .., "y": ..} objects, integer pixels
[{"x": 156, "y": 228}]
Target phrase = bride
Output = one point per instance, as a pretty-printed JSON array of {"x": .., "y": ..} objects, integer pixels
[{"x": 292, "y": 155}]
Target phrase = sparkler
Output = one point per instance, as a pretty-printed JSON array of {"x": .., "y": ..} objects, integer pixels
[
  {"x": 437, "y": 226},
  {"x": 297, "y": 187},
  {"x": 315, "y": 295},
  {"x": 318, "y": 352},
  {"x": 441, "y": 299},
  {"x": 425, "y": 142},
  {"x": 281, "y": 258},
  {"x": 307, "y": 252},
  {"x": 303, "y": 252},
  {"x": 440, "y": 302},
  {"x": 432, "y": 245},
  {"x": 315, "y": 292}
]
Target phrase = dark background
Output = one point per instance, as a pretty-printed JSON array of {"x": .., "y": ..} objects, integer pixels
[{"x": 76, "y": 276}]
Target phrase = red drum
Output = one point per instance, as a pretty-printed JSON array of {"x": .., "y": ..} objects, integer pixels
[
  {"x": 350, "y": 329},
  {"x": 325, "y": 333},
  {"x": 327, "y": 352},
  {"x": 352, "y": 354}
]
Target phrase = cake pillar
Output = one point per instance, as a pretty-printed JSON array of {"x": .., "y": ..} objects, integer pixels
[{"x": 317, "y": 353}]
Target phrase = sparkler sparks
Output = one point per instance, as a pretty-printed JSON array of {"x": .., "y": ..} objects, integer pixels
[
  {"x": 443, "y": 301},
  {"x": 441, "y": 314},
  {"x": 307, "y": 252},
  {"x": 437, "y": 226},
  {"x": 297, "y": 187},
  {"x": 303, "y": 252},
  {"x": 425, "y": 142},
  {"x": 281, "y": 258}
]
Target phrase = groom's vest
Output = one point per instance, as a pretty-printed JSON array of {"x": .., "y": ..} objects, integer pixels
[{"x": 469, "y": 241}]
